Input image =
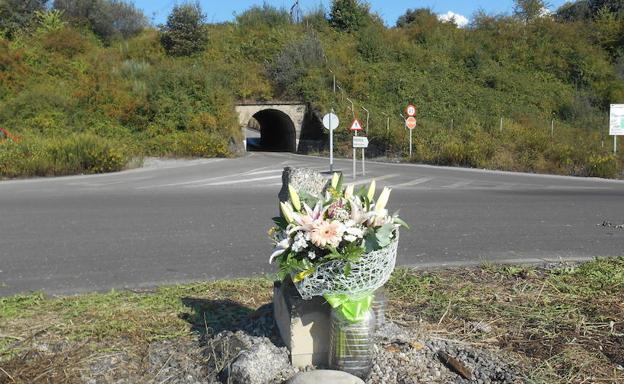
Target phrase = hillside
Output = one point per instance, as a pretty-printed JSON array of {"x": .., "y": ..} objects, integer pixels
[{"x": 76, "y": 102}]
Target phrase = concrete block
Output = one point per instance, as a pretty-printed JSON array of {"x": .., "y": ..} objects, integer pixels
[
  {"x": 303, "y": 325},
  {"x": 325, "y": 377}
]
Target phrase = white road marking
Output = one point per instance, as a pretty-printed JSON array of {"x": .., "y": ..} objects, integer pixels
[
  {"x": 262, "y": 172},
  {"x": 228, "y": 182},
  {"x": 367, "y": 181},
  {"x": 458, "y": 184},
  {"x": 421, "y": 180}
]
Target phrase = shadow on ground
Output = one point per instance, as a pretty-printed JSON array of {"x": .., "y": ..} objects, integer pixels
[{"x": 210, "y": 317}]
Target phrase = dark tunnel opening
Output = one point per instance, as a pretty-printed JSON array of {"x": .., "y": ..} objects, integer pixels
[{"x": 277, "y": 132}]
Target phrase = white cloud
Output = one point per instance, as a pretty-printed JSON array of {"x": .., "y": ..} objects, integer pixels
[{"x": 449, "y": 16}]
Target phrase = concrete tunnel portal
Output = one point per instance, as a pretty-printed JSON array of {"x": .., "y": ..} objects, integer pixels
[
  {"x": 275, "y": 126},
  {"x": 277, "y": 132}
]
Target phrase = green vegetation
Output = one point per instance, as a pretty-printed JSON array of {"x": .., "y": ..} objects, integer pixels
[
  {"x": 562, "y": 324},
  {"x": 565, "y": 323},
  {"x": 68, "y": 72}
]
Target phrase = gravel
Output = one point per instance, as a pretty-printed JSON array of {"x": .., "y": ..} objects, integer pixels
[{"x": 255, "y": 355}]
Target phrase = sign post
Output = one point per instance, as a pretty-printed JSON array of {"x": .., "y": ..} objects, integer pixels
[
  {"x": 356, "y": 126},
  {"x": 361, "y": 142},
  {"x": 331, "y": 121},
  {"x": 410, "y": 123},
  {"x": 616, "y": 123}
]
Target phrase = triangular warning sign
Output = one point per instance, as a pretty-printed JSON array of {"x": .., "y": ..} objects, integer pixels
[{"x": 356, "y": 125}]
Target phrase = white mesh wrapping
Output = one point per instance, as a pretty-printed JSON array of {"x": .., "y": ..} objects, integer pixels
[{"x": 367, "y": 274}]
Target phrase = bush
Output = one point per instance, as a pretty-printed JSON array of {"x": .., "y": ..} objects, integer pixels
[
  {"x": 66, "y": 41},
  {"x": 65, "y": 156},
  {"x": 108, "y": 19},
  {"x": 189, "y": 144},
  {"x": 348, "y": 15},
  {"x": 602, "y": 166},
  {"x": 294, "y": 62},
  {"x": 264, "y": 15},
  {"x": 185, "y": 33},
  {"x": 18, "y": 14}
]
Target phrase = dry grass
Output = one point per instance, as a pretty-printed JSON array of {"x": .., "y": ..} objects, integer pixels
[{"x": 563, "y": 324}]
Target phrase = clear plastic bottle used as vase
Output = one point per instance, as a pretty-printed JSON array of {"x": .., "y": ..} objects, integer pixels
[
  {"x": 379, "y": 308},
  {"x": 351, "y": 344}
]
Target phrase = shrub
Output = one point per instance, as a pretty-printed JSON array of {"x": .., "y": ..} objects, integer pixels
[
  {"x": 108, "y": 19},
  {"x": 185, "y": 33},
  {"x": 66, "y": 41},
  {"x": 189, "y": 144},
  {"x": 18, "y": 14},
  {"x": 264, "y": 15},
  {"x": 62, "y": 156},
  {"x": 602, "y": 166},
  {"x": 349, "y": 15},
  {"x": 294, "y": 62}
]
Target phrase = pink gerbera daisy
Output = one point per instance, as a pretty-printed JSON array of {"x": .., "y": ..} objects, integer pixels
[{"x": 327, "y": 233}]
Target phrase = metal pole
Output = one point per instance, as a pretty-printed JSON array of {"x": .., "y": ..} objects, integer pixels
[
  {"x": 614, "y": 144},
  {"x": 367, "y": 114},
  {"x": 331, "y": 144},
  {"x": 501, "y": 124},
  {"x": 354, "y": 158},
  {"x": 411, "y": 143},
  {"x": 552, "y": 128},
  {"x": 363, "y": 162},
  {"x": 352, "y": 107}
]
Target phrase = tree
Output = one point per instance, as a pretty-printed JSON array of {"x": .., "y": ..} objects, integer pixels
[
  {"x": 529, "y": 10},
  {"x": 349, "y": 15},
  {"x": 576, "y": 11},
  {"x": 18, "y": 14},
  {"x": 416, "y": 16},
  {"x": 185, "y": 32},
  {"x": 106, "y": 18},
  {"x": 615, "y": 6}
]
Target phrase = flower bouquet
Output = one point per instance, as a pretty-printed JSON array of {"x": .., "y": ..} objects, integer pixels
[{"x": 341, "y": 245}]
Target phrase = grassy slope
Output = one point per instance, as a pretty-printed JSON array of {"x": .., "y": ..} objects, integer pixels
[
  {"x": 563, "y": 324},
  {"x": 59, "y": 89}
]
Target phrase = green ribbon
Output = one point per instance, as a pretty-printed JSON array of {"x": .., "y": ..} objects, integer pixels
[{"x": 351, "y": 308}]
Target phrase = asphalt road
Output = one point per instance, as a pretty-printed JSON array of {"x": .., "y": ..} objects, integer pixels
[{"x": 180, "y": 221}]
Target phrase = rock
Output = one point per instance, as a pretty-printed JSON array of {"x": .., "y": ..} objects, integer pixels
[
  {"x": 325, "y": 376},
  {"x": 260, "y": 364},
  {"x": 303, "y": 180}
]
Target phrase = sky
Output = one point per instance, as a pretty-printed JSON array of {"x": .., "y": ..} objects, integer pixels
[{"x": 390, "y": 10}]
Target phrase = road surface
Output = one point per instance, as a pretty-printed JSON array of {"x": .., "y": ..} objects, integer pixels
[{"x": 180, "y": 221}]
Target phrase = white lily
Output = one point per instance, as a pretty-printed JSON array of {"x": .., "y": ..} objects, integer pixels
[
  {"x": 348, "y": 193},
  {"x": 371, "y": 190},
  {"x": 335, "y": 179},
  {"x": 287, "y": 211},
  {"x": 280, "y": 248},
  {"x": 294, "y": 198},
  {"x": 380, "y": 205},
  {"x": 357, "y": 212}
]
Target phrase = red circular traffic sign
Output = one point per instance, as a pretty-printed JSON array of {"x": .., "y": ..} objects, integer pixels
[
  {"x": 410, "y": 122},
  {"x": 410, "y": 110}
]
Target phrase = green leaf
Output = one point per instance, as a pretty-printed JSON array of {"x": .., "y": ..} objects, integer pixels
[
  {"x": 371, "y": 243},
  {"x": 384, "y": 234},
  {"x": 280, "y": 222},
  {"x": 347, "y": 269},
  {"x": 398, "y": 220}
]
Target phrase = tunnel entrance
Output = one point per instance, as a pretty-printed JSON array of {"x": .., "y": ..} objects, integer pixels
[{"x": 271, "y": 130}]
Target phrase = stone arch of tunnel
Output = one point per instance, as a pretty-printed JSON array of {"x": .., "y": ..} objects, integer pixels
[{"x": 277, "y": 131}]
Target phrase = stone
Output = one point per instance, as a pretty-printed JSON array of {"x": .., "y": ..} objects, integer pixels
[
  {"x": 302, "y": 324},
  {"x": 303, "y": 180},
  {"x": 260, "y": 364},
  {"x": 325, "y": 377}
]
